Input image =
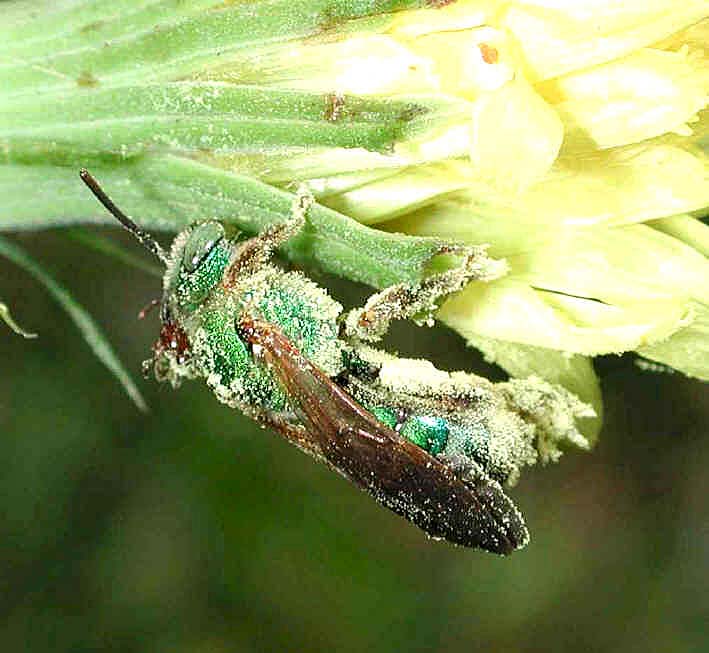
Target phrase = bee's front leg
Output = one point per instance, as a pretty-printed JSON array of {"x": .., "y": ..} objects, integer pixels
[
  {"x": 257, "y": 251},
  {"x": 419, "y": 301}
]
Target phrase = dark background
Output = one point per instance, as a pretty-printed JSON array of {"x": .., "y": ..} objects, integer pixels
[{"x": 191, "y": 530}]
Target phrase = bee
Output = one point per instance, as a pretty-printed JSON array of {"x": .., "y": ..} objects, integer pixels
[{"x": 432, "y": 446}]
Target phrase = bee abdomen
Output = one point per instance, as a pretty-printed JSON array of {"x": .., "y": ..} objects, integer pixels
[{"x": 429, "y": 432}]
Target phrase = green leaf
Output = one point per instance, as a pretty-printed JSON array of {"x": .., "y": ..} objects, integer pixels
[
  {"x": 194, "y": 116},
  {"x": 7, "y": 319},
  {"x": 330, "y": 241},
  {"x": 123, "y": 42},
  {"x": 168, "y": 193},
  {"x": 89, "y": 329}
]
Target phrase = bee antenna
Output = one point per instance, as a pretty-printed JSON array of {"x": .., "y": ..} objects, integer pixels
[{"x": 143, "y": 237}]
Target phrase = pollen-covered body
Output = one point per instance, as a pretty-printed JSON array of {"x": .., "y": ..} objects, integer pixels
[
  {"x": 432, "y": 446},
  {"x": 458, "y": 416},
  {"x": 500, "y": 427},
  {"x": 302, "y": 310}
]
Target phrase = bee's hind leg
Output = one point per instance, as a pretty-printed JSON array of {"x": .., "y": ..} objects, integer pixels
[
  {"x": 419, "y": 301},
  {"x": 257, "y": 251}
]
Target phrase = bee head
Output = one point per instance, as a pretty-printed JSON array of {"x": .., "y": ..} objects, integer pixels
[{"x": 195, "y": 267}]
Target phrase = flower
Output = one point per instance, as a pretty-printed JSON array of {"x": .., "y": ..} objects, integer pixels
[
  {"x": 571, "y": 142},
  {"x": 569, "y": 135}
]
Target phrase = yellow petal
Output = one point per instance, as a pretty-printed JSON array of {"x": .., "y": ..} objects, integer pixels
[
  {"x": 621, "y": 186},
  {"x": 516, "y": 136},
  {"x": 687, "y": 350},
  {"x": 685, "y": 228},
  {"x": 449, "y": 137},
  {"x": 643, "y": 95},
  {"x": 511, "y": 310},
  {"x": 559, "y": 36},
  {"x": 456, "y": 16},
  {"x": 469, "y": 62},
  {"x": 696, "y": 37},
  {"x": 610, "y": 187},
  {"x": 393, "y": 195},
  {"x": 360, "y": 64},
  {"x": 617, "y": 266}
]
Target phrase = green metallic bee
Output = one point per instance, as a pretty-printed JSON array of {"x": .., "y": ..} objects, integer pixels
[{"x": 430, "y": 445}]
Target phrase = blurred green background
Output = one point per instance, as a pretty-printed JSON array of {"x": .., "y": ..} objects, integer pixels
[{"x": 191, "y": 530}]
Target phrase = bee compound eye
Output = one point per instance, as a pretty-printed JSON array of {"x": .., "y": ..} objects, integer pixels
[{"x": 200, "y": 243}]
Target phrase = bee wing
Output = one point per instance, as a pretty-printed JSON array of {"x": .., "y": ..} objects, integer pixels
[{"x": 471, "y": 510}]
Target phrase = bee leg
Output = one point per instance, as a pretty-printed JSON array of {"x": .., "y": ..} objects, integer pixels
[
  {"x": 419, "y": 301},
  {"x": 257, "y": 251}
]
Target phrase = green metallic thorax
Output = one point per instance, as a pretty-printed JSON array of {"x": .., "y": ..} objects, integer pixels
[
  {"x": 301, "y": 310},
  {"x": 209, "y": 311}
]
